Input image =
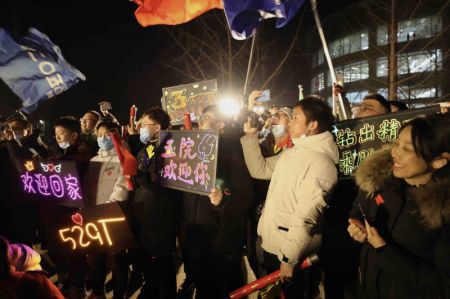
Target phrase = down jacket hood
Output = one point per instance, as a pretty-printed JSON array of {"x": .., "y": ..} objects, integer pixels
[
  {"x": 433, "y": 199},
  {"x": 322, "y": 143}
]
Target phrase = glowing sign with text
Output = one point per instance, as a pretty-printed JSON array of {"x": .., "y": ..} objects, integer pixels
[
  {"x": 188, "y": 160},
  {"x": 52, "y": 181},
  {"x": 191, "y": 98},
  {"x": 357, "y": 139},
  {"x": 96, "y": 229}
]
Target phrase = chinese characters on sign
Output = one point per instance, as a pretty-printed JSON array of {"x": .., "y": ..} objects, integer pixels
[
  {"x": 53, "y": 181},
  {"x": 188, "y": 160},
  {"x": 357, "y": 139},
  {"x": 190, "y": 98}
]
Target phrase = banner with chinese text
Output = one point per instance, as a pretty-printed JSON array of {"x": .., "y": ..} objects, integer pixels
[
  {"x": 188, "y": 160},
  {"x": 359, "y": 138}
]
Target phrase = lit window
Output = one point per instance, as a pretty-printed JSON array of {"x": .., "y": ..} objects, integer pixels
[
  {"x": 353, "y": 72},
  {"x": 318, "y": 82},
  {"x": 356, "y": 97},
  {"x": 414, "y": 62}
]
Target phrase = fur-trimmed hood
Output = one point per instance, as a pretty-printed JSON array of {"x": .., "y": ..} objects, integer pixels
[{"x": 433, "y": 199}]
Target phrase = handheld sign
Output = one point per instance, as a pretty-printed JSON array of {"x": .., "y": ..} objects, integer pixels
[
  {"x": 190, "y": 98},
  {"x": 55, "y": 182},
  {"x": 95, "y": 229},
  {"x": 187, "y": 160},
  {"x": 359, "y": 138}
]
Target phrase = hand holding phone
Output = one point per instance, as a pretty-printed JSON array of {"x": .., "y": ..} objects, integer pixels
[{"x": 265, "y": 96}]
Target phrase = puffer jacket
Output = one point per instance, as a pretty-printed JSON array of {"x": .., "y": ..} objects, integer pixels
[
  {"x": 302, "y": 179},
  {"x": 105, "y": 169},
  {"x": 414, "y": 221}
]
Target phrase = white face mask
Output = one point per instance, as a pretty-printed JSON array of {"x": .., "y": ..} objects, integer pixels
[
  {"x": 278, "y": 130},
  {"x": 64, "y": 145}
]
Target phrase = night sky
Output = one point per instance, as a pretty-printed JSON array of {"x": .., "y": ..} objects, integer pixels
[{"x": 118, "y": 57}]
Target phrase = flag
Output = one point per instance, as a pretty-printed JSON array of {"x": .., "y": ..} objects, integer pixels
[
  {"x": 172, "y": 12},
  {"x": 245, "y": 16},
  {"x": 34, "y": 68},
  {"x": 127, "y": 160}
]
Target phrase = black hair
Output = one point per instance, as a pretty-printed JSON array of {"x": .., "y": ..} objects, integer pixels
[
  {"x": 108, "y": 124},
  {"x": 25, "y": 123},
  {"x": 316, "y": 109},
  {"x": 4, "y": 258},
  {"x": 158, "y": 115},
  {"x": 431, "y": 137},
  {"x": 69, "y": 123},
  {"x": 400, "y": 105},
  {"x": 94, "y": 113},
  {"x": 380, "y": 99}
]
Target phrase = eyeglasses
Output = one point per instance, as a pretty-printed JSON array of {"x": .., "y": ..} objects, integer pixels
[
  {"x": 146, "y": 124},
  {"x": 363, "y": 107},
  {"x": 205, "y": 117},
  {"x": 85, "y": 120}
]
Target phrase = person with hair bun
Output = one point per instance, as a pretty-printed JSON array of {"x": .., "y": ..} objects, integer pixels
[{"x": 402, "y": 214}]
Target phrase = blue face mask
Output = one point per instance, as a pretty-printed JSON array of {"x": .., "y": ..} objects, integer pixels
[
  {"x": 144, "y": 135},
  {"x": 64, "y": 145},
  {"x": 105, "y": 143}
]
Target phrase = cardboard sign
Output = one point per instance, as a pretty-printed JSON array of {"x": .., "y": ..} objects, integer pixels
[
  {"x": 95, "y": 229},
  {"x": 187, "y": 160},
  {"x": 190, "y": 98},
  {"x": 56, "y": 182},
  {"x": 359, "y": 138}
]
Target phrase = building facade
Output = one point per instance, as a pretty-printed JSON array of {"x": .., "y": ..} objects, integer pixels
[{"x": 358, "y": 41}]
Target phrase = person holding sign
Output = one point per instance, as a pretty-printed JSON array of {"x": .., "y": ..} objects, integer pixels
[
  {"x": 402, "y": 214},
  {"x": 154, "y": 213},
  {"x": 302, "y": 179},
  {"x": 111, "y": 187},
  {"x": 212, "y": 229}
]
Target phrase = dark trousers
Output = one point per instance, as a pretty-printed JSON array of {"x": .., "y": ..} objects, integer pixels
[
  {"x": 98, "y": 270},
  {"x": 214, "y": 275},
  {"x": 159, "y": 277}
]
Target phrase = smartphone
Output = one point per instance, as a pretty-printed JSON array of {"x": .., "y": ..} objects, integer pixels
[
  {"x": 105, "y": 106},
  {"x": 265, "y": 97}
]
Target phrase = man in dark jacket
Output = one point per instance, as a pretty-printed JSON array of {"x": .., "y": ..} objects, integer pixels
[
  {"x": 153, "y": 211},
  {"x": 212, "y": 228}
]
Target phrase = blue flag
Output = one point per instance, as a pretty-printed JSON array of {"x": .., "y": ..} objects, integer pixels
[
  {"x": 34, "y": 68},
  {"x": 245, "y": 16}
]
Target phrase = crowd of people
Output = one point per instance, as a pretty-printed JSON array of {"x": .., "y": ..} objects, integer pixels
[{"x": 383, "y": 234}]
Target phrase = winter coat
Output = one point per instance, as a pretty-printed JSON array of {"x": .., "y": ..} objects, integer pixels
[
  {"x": 26, "y": 285},
  {"x": 302, "y": 179},
  {"x": 153, "y": 209},
  {"x": 106, "y": 171},
  {"x": 414, "y": 222},
  {"x": 220, "y": 229}
]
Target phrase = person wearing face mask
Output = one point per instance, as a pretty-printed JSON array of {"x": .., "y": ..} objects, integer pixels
[
  {"x": 302, "y": 180},
  {"x": 212, "y": 228},
  {"x": 401, "y": 216},
  {"x": 105, "y": 169},
  {"x": 70, "y": 146},
  {"x": 154, "y": 213}
]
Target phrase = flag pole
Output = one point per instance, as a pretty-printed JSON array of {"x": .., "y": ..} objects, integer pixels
[
  {"x": 342, "y": 114},
  {"x": 249, "y": 63}
]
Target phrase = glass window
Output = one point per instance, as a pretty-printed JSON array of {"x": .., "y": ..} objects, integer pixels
[
  {"x": 318, "y": 83},
  {"x": 352, "y": 72},
  {"x": 382, "y": 67},
  {"x": 350, "y": 44},
  {"x": 417, "y": 62},
  {"x": 418, "y": 93},
  {"x": 355, "y": 97},
  {"x": 418, "y": 28}
]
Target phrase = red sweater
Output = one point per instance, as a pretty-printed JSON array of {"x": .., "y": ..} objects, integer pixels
[{"x": 27, "y": 285}]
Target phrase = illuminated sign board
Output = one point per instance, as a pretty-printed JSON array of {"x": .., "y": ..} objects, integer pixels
[
  {"x": 359, "y": 138},
  {"x": 187, "y": 160},
  {"x": 53, "y": 181},
  {"x": 95, "y": 229},
  {"x": 191, "y": 98}
]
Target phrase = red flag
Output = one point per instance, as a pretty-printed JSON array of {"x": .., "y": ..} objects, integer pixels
[
  {"x": 127, "y": 160},
  {"x": 172, "y": 12}
]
